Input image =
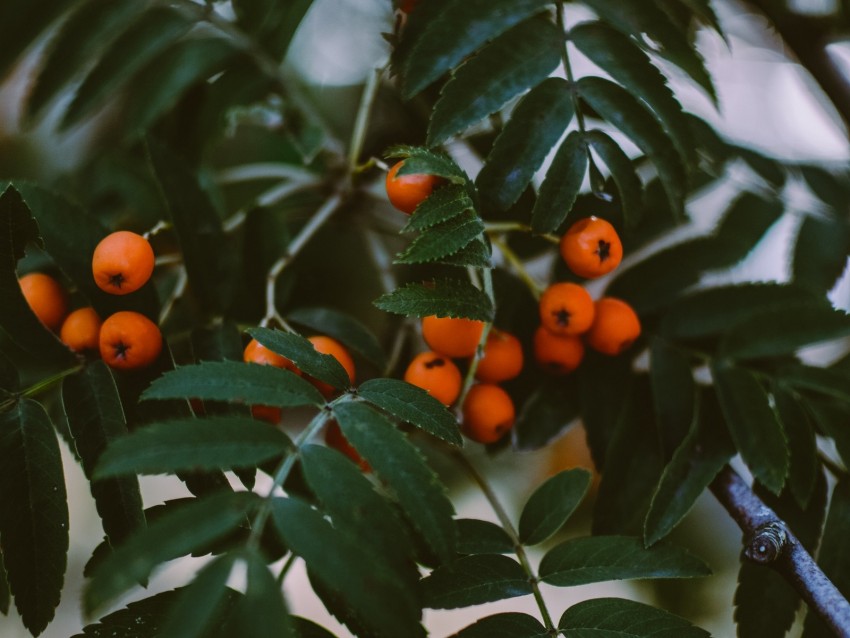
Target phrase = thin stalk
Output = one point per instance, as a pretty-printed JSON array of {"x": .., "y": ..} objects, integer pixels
[
  {"x": 535, "y": 288},
  {"x": 508, "y": 526},
  {"x": 834, "y": 468},
  {"x": 361, "y": 121},
  {"x": 506, "y": 227},
  {"x": 568, "y": 68},
  {"x": 487, "y": 277},
  {"x": 39, "y": 387},
  {"x": 286, "y": 567}
]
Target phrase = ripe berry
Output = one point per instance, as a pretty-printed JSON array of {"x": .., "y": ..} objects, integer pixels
[
  {"x": 591, "y": 248},
  {"x": 566, "y": 309},
  {"x": 326, "y": 345},
  {"x": 488, "y": 413},
  {"x": 129, "y": 340},
  {"x": 334, "y": 438},
  {"x": 81, "y": 330},
  {"x": 406, "y": 192},
  {"x": 502, "y": 358},
  {"x": 46, "y": 298},
  {"x": 436, "y": 374},
  {"x": 615, "y": 328},
  {"x": 556, "y": 354},
  {"x": 452, "y": 337},
  {"x": 122, "y": 262}
]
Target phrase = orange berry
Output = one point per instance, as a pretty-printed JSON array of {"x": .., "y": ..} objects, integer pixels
[
  {"x": 502, "y": 358},
  {"x": 488, "y": 413},
  {"x": 556, "y": 354},
  {"x": 591, "y": 248},
  {"x": 326, "y": 345},
  {"x": 408, "y": 191},
  {"x": 334, "y": 438},
  {"x": 566, "y": 309},
  {"x": 81, "y": 330},
  {"x": 256, "y": 352},
  {"x": 268, "y": 413},
  {"x": 452, "y": 337},
  {"x": 122, "y": 262},
  {"x": 615, "y": 328},
  {"x": 129, "y": 340},
  {"x": 46, "y": 298},
  {"x": 436, "y": 374}
]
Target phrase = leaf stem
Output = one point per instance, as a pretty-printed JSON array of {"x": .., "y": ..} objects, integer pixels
[
  {"x": 361, "y": 122},
  {"x": 508, "y": 526},
  {"x": 503, "y": 227},
  {"x": 568, "y": 68},
  {"x": 38, "y": 387},
  {"x": 535, "y": 288}
]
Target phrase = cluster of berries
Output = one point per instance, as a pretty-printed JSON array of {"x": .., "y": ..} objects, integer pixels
[{"x": 122, "y": 263}]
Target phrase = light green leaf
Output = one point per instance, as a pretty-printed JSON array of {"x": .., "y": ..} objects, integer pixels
[
  {"x": 444, "y": 298},
  {"x": 473, "y": 580},
  {"x": 552, "y": 504},
  {"x": 617, "y": 617}
]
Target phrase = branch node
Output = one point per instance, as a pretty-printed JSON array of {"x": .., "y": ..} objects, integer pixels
[{"x": 766, "y": 543}]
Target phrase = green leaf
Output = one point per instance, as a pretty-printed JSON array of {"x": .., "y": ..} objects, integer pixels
[
  {"x": 95, "y": 419},
  {"x": 561, "y": 185},
  {"x": 547, "y": 413},
  {"x": 609, "y": 617},
  {"x": 344, "y": 328},
  {"x": 272, "y": 24},
  {"x": 605, "y": 391},
  {"x": 552, "y": 504},
  {"x": 535, "y": 126},
  {"x": 261, "y": 612},
  {"x": 621, "y": 109},
  {"x": 33, "y": 512},
  {"x": 200, "y": 603},
  {"x": 825, "y": 381},
  {"x": 302, "y": 353},
  {"x": 830, "y": 418},
  {"x": 802, "y": 444},
  {"x": 444, "y": 204},
  {"x": 422, "y": 160},
  {"x": 81, "y": 38},
  {"x": 768, "y": 169},
  {"x": 402, "y": 467},
  {"x": 133, "y": 49},
  {"x": 482, "y": 537},
  {"x": 209, "y": 257},
  {"x": 507, "y": 625},
  {"x": 476, "y": 254},
  {"x": 21, "y": 23},
  {"x": 9, "y": 381},
  {"x": 619, "y": 56},
  {"x": 701, "y": 455},
  {"x": 444, "y": 298},
  {"x": 436, "y": 43},
  {"x": 413, "y": 405},
  {"x": 221, "y": 442},
  {"x": 673, "y": 392},
  {"x": 345, "y": 567},
  {"x": 158, "y": 86},
  {"x": 820, "y": 253},
  {"x": 443, "y": 239},
  {"x": 595, "y": 559},
  {"x": 5, "y": 594},
  {"x": 623, "y": 172},
  {"x": 177, "y": 533},
  {"x": 509, "y": 65},
  {"x": 235, "y": 381},
  {"x": 308, "y": 629},
  {"x": 753, "y": 424},
  {"x": 473, "y": 580}
]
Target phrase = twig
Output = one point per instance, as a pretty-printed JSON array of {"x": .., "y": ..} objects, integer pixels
[
  {"x": 769, "y": 541},
  {"x": 157, "y": 228},
  {"x": 535, "y": 288},
  {"x": 361, "y": 122}
]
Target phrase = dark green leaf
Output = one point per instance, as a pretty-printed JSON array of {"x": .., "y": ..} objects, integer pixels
[
  {"x": 235, "y": 381},
  {"x": 443, "y": 40},
  {"x": 344, "y": 328},
  {"x": 768, "y": 169},
  {"x": 444, "y": 298},
  {"x": 605, "y": 389},
  {"x": 623, "y": 173},
  {"x": 801, "y": 444},
  {"x": 413, "y": 405},
  {"x": 402, "y": 467},
  {"x": 21, "y": 23},
  {"x": 552, "y": 504},
  {"x": 820, "y": 254},
  {"x": 261, "y": 612},
  {"x": 271, "y": 23},
  {"x": 5, "y": 594},
  {"x": 177, "y": 533},
  {"x": 33, "y": 512},
  {"x": 302, "y": 353},
  {"x": 507, "y": 625},
  {"x": 131, "y": 51},
  {"x": 344, "y": 567},
  {"x": 753, "y": 424},
  {"x": 221, "y": 442},
  {"x": 547, "y": 413},
  {"x": 443, "y": 239},
  {"x": 624, "y": 111},
  {"x": 308, "y": 629},
  {"x": 422, "y": 160},
  {"x": 473, "y": 580},
  {"x": 211, "y": 262},
  {"x": 561, "y": 186},
  {"x": 9, "y": 381},
  {"x": 95, "y": 419},
  {"x": 476, "y": 254},
  {"x": 609, "y": 617},
  {"x": 831, "y": 418},
  {"x": 535, "y": 126},
  {"x": 594, "y": 559},
  {"x": 673, "y": 393},
  {"x": 445, "y": 203},
  {"x": 705, "y": 450},
  {"x": 217, "y": 342},
  {"x": 482, "y": 537},
  {"x": 509, "y": 65},
  {"x": 199, "y": 603},
  {"x": 825, "y": 381}
]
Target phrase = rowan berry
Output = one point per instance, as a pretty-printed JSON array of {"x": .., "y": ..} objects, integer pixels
[
  {"x": 129, "y": 340},
  {"x": 557, "y": 354},
  {"x": 122, "y": 262},
  {"x": 81, "y": 330},
  {"x": 46, "y": 298},
  {"x": 436, "y": 374},
  {"x": 452, "y": 337},
  {"x": 406, "y": 192},
  {"x": 566, "y": 309},
  {"x": 615, "y": 328},
  {"x": 488, "y": 413},
  {"x": 502, "y": 359},
  {"x": 591, "y": 248}
]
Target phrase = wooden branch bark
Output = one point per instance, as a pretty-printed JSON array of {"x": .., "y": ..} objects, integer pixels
[{"x": 769, "y": 541}]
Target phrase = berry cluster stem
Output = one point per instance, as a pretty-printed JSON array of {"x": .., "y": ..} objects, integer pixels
[
  {"x": 361, "y": 122},
  {"x": 487, "y": 278},
  {"x": 38, "y": 387},
  {"x": 535, "y": 288}
]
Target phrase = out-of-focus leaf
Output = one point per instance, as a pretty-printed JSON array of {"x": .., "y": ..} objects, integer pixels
[
  {"x": 623, "y": 173},
  {"x": 199, "y": 603},
  {"x": 673, "y": 393},
  {"x": 802, "y": 445},
  {"x": 550, "y": 409},
  {"x": 473, "y": 580},
  {"x": 506, "y": 625},
  {"x": 272, "y": 23},
  {"x": 21, "y": 23},
  {"x": 820, "y": 254}
]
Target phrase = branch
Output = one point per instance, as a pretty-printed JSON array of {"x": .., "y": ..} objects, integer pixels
[{"x": 769, "y": 541}]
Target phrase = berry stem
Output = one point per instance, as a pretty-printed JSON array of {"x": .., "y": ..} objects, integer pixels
[
  {"x": 176, "y": 293},
  {"x": 505, "y": 227},
  {"x": 568, "y": 68},
  {"x": 507, "y": 525},
  {"x": 38, "y": 387},
  {"x": 487, "y": 278},
  {"x": 535, "y": 288},
  {"x": 361, "y": 122}
]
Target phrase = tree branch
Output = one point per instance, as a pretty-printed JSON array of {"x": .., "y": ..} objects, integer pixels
[{"x": 769, "y": 541}]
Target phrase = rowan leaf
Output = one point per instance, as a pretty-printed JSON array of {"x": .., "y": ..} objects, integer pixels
[
  {"x": 344, "y": 328},
  {"x": 473, "y": 580},
  {"x": 623, "y": 172},
  {"x": 482, "y": 537},
  {"x": 302, "y": 353},
  {"x": 445, "y": 203},
  {"x": 552, "y": 504},
  {"x": 603, "y": 617},
  {"x": 443, "y": 240},
  {"x": 506, "y": 625},
  {"x": 561, "y": 185},
  {"x": 444, "y": 298}
]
